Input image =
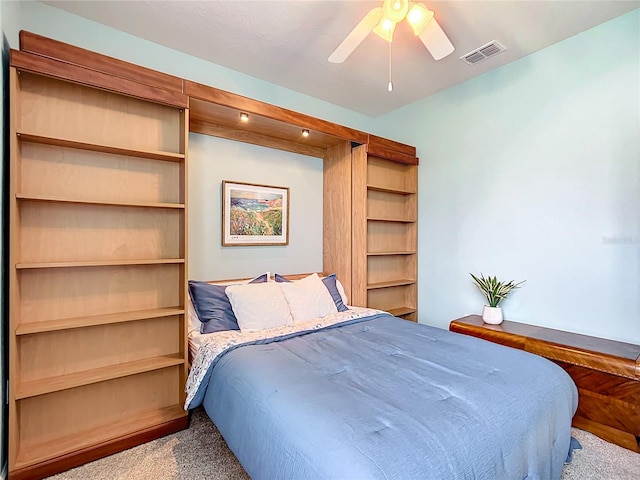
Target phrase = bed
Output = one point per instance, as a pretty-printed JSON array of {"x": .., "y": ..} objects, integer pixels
[{"x": 360, "y": 394}]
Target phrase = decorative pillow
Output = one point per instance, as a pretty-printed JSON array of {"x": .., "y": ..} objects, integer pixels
[
  {"x": 336, "y": 290},
  {"x": 308, "y": 298},
  {"x": 212, "y": 305},
  {"x": 334, "y": 286},
  {"x": 259, "y": 306}
]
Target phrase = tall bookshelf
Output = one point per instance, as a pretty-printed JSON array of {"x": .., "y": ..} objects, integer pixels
[
  {"x": 385, "y": 216},
  {"x": 97, "y": 270}
]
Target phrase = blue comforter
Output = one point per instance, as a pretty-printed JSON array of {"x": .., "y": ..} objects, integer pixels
[{"x": 383, "y": 398}]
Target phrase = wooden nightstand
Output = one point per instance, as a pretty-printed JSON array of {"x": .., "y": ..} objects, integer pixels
[{"x": 606, "y": 372}]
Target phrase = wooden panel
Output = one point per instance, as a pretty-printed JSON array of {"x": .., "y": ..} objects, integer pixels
[
  {"x": 213, "y": 97},
  {"x": 83, "y": 175},
  {"x": 614, "y": 386},
  {"x": 47, "y": 47},
  {"x": 359, "y": 228},
  {"x": 63, "y": 352},
  {"x": 124, "y": 121},
  {"x": 591, "y": 359},
  {"x": 474, "y": 326},
  {"x": 393, "y": 176},
  {"x": 101, "y": 148},
  {"x": 387, "y": 144},
  {"x": 392, "y": 155},
  {"x": 386, "y": 268},
  {"x": 52, "y": 294},
  {"x": 391, "y": 237},
  {"x": 391, "y": 206},
  {"x": 610, "y": 434},
  {"x": 74, "y": 233},
  {"x": 99, "y": 406},
  {"x": 26, "y": 62},
  {"x": 142, "y": 429},
  {"x": 250, "y": 136},
  {"x": 336, "y": 214},
  {"x": 608, "y": 411},
  {"x": 15, "y": 308},
  {"x": 93, "y": 320},
  {"x": 392, "y": 298}
]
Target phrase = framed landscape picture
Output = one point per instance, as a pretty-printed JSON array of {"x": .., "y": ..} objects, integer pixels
[{"x": 254, "y": 214}]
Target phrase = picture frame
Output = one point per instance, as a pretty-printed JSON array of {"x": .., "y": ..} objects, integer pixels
[{"x": 254, "y": 214}]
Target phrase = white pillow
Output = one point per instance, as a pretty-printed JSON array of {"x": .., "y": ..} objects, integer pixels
[
  {"x": 342, "y": 293},
  {"x": 259, "y": 306},
  {"x": 308, "y": 298},
  {"x": 192, "y": 317}
]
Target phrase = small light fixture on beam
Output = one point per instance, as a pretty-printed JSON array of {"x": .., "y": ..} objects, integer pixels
[
  {"x": 244, "y": 117},
  {"x": 305, "y": 132}
]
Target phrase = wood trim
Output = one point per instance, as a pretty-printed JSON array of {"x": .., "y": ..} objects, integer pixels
[
  {"x": 244, "y": 104},
  {"x": 104, "y": 449},
  {"x": 54, "y": 49},
  {"x": 359, "y": 227},
  {"x": 583, "y": 358},
  {"x": 381, "y": 152},
  {"x": 92, "y": 78},
  {"x": 379, "y": 142}
]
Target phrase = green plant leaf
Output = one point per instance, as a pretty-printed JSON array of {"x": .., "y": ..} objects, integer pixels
[{"x": 494, "y": 290}]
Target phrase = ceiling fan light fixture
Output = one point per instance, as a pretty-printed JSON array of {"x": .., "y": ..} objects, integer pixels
[
  {"x": 395, "y": 10},
  {"x": 418, "y": 17},
  {"x": 385, "y": 29}
]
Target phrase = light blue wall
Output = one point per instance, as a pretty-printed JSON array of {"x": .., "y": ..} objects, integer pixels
[
  {"x": 531, "y": 171},
  {"x": 212, "y": 160}
]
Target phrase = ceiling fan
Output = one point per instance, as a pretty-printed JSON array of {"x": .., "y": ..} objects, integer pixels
[{"x": 383, "y": 21}]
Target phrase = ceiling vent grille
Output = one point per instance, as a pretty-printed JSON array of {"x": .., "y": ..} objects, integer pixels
[{"x": 483, "y": 52}]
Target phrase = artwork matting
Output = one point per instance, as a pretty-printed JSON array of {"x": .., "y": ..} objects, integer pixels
[{"x": 254, "y": 214}]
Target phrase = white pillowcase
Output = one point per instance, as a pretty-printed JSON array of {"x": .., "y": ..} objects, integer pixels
[
  {"x": 342, "y": 293},
  {"x": 259, "y": 306},
  {"x": 308, "y": 298}
]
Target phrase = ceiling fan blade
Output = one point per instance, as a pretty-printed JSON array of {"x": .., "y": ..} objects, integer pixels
[
  {"x": 357, "y": 35},
  {"x": 436, "y": 40}
]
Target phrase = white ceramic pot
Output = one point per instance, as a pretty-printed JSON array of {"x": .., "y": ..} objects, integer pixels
[{"x": 492, "y": 315}]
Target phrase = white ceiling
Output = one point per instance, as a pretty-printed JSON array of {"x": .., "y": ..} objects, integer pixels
[{"x": 288, "y": 42}]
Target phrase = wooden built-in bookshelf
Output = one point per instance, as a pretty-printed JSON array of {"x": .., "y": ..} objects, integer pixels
[
  {"x": 385, "y": 217},
  {"x": 97, "y": 269}
]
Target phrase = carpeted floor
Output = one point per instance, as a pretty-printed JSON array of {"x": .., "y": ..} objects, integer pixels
[{"x": 201, "y": 453}]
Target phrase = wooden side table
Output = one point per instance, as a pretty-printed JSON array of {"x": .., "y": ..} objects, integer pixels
[{"x": 606, "y": 372}]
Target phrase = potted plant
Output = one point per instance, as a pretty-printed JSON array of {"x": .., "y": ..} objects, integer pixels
[{"x": 494, "y": 291}]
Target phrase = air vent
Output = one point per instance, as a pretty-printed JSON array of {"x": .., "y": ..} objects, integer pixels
[{"x": 485, "y": 51}]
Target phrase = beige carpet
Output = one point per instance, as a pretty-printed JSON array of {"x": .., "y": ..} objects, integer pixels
[{"x": 201, "y": 453}]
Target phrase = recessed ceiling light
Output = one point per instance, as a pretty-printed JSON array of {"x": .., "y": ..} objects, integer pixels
[
  {"x": 244, "y": 117},
  {"x": 305, "y": 132}
]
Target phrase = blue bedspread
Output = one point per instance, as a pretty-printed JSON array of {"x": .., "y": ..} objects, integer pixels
[{"x": 383, "y": 398}]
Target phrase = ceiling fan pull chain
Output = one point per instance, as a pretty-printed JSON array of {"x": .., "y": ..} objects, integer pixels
[{"x": 390, "y": 85}]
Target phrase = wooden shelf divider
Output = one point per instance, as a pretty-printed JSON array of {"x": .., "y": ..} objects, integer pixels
[
  {"x": 390, "y": 283},
  {"x": 100, "y": 263},
  {"x": 77, "y": 379},
  {"x": 43, "y": 198},
  {"x": 94, "y": 147},
  {"x": 95, "y": 320}
]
